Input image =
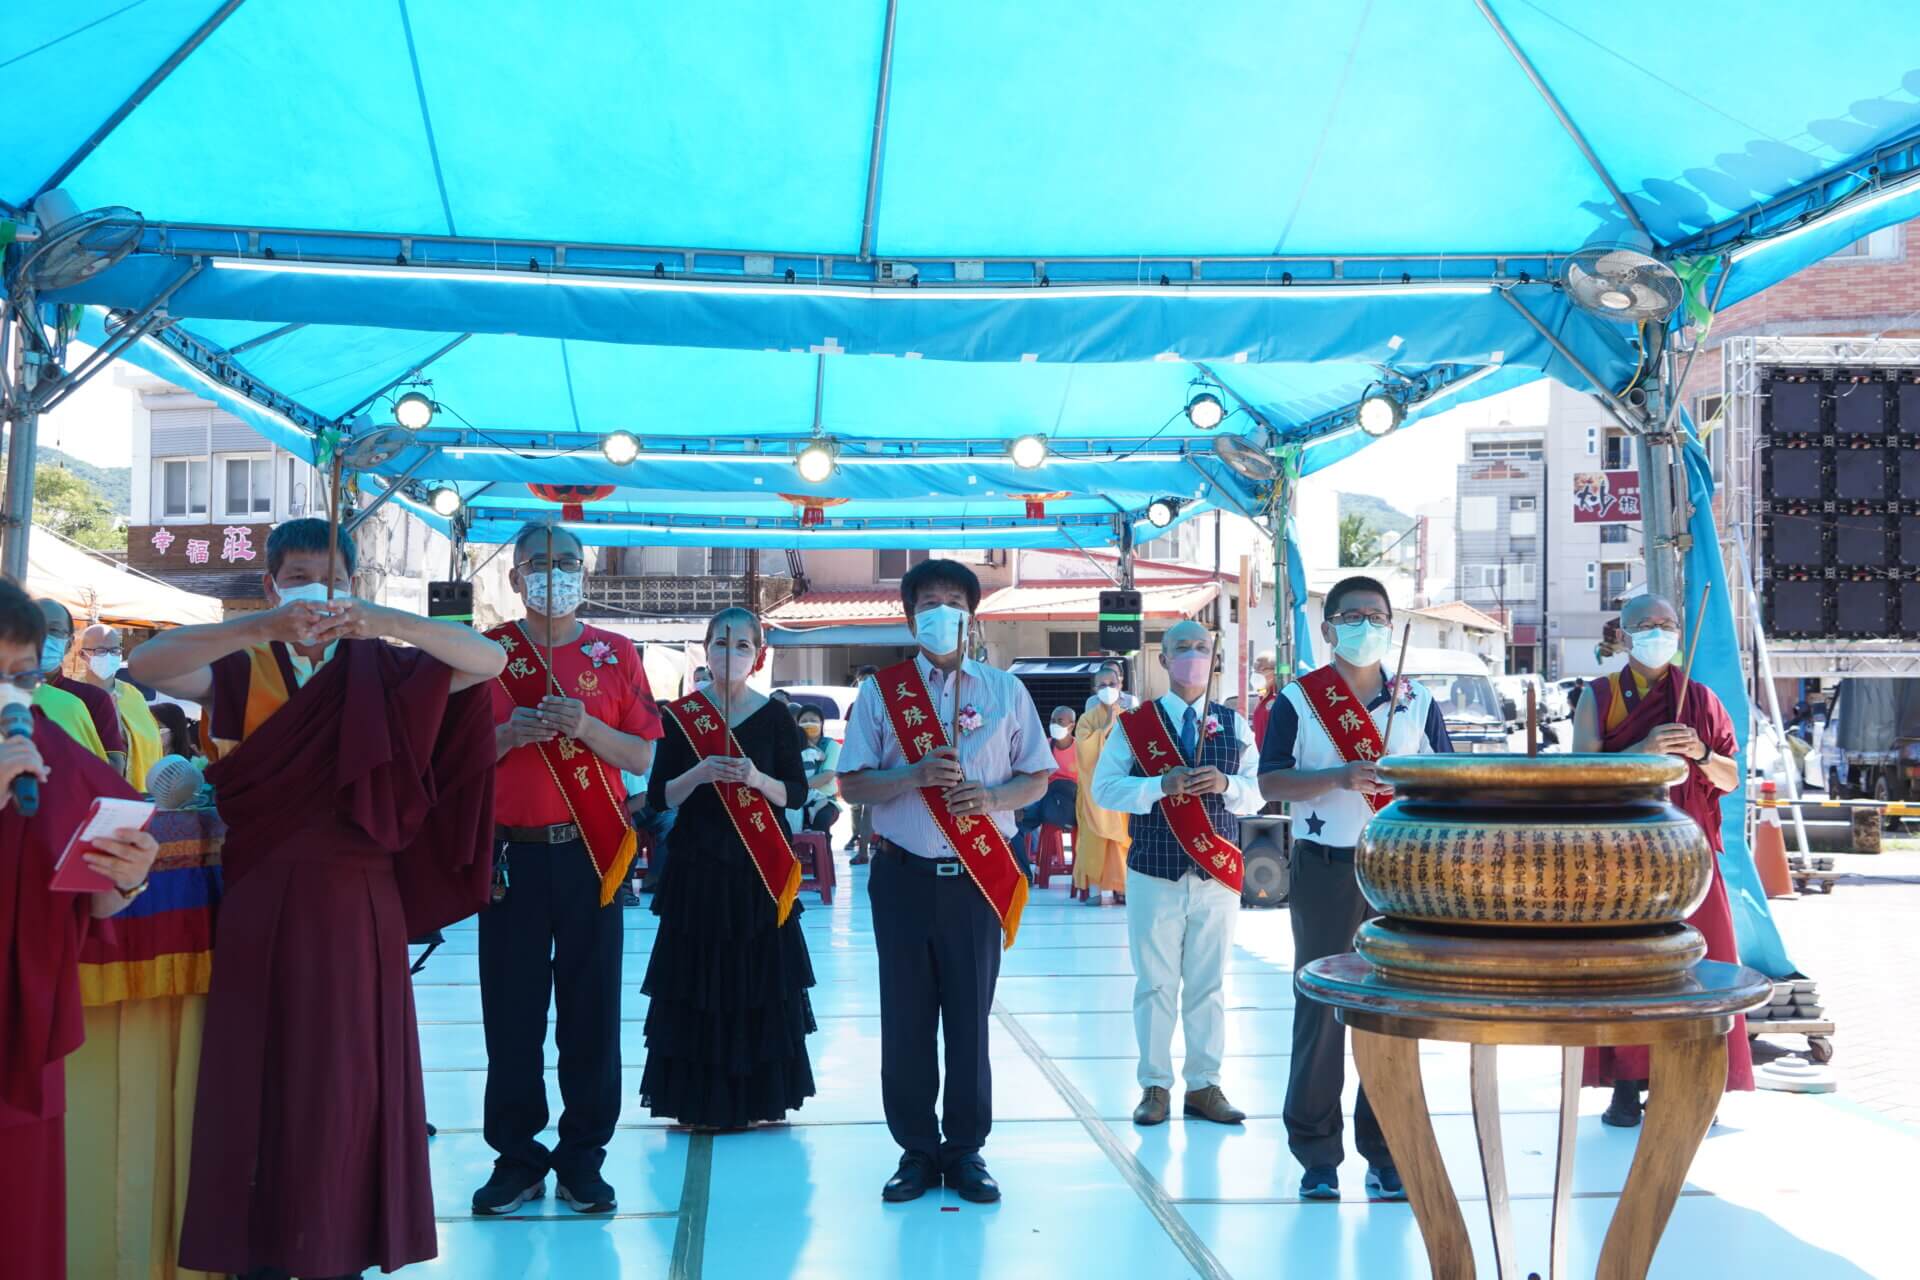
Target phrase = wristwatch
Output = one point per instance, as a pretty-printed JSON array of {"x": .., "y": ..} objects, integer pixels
[{"x": 129, "y": 895}]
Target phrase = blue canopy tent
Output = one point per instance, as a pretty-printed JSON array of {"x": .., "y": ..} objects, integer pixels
[{"x": 703, "y": 228}]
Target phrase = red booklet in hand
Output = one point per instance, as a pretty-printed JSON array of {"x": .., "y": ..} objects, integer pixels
[{"x": 71, "y": 874}]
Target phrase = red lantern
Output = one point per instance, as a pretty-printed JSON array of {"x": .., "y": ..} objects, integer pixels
[
  {"x": 1037, "y": 503},
  {"x": 813, "y": 510},
  {"x": 571, "y": 497}
]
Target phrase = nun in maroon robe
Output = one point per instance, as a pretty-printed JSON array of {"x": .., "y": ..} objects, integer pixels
[
  {"x": 359, "y": 809},
  {"x": 41, "y": 1019},
  {"x": 1627, "y": 706}
]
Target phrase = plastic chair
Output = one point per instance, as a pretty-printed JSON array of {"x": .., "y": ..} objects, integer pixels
[
  {"x": 815, "y": 851},
  {"x": 1050, "y": 855}
]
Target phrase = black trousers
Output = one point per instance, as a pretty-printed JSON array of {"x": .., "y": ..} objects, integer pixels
[
  {"x": 1326, "y": 907},
  {"x": 939, "y": 945},
  {"x": 550, "y": 939}
]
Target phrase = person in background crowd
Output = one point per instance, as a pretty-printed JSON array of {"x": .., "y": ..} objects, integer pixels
[
  {"x": 862, "y": 814},
  {"x": 356, "y": 781},
  {"x": 1319, "y": 753},
  {"x": 702, "y": 676},
  {"x": 1101, "y": 835},
  {"x": 820, "y": 756},
  {"x": 1180, "y": 916},
  {"x": 727, "y": 980},
  {"x": 103, "y": 737},
  {"x": 41, "y": 933},
  {"x": 103, "y": 652},
  {"x": 1109, "y": 689},
  {"x": 177, "y": 736},
  {"x": 942, "y": 911},
  {"x": 1055, "y": 807},
  {"x": 1264, "y": 688},
  {"x": 780, "y": 696},
  {"x": 572, "y": 713},
  {"x": 1233, "y": 703},
  {"x": 1636, "y": 711}
]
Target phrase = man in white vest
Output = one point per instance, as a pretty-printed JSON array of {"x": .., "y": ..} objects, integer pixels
[{"x": 1322, "y": 742}]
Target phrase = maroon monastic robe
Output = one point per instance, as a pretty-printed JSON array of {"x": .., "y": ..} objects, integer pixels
[
  {"x": 359, "y": 813},
  {"x": 40, "y": 1013},
  {"x": 1626, "y": 713}
]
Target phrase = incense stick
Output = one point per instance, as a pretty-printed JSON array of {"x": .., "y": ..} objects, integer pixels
[
  {"x": 1693, "y": 647},
  {"x": 1533, "y": 723},
  {"x": 553, "y": 681},
  {"x": 1393, "y": 692},
  {"x": 333, "y": 525}
]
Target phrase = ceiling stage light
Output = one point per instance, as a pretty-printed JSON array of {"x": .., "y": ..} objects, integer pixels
[
  {"x": 816, "y": 462},
  {"x": 1028, "y": 452},
  {"x": 1379, "y": 414},
  {"x": 1205, "y": 411},
  {"x": 620, "y": 447},
  {"x": 1161, "y": 511},
  {"x": 445, "y": 502},
  {"x": 413, "y": 411}
]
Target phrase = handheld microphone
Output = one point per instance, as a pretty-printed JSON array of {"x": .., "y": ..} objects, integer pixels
[{"x": 16, "y": 721}]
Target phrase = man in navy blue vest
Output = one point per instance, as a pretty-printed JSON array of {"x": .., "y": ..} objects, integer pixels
[{"x": 1179, "y": 918}]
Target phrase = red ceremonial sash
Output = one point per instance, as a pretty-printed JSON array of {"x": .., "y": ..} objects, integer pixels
[
  {"x": 976, "y": 839},
  {"x": 1153, "y": 749},
  {"x": 577, "y": 773},
  {"x": 1347, "y": 723},
  {"x": 747, "y": 809}
]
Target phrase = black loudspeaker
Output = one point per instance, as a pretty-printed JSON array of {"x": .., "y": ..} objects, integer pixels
[
  {"x": 1267, "y": 858},
  {"x": 1798, "y": 608},
  {"x": 452, "y": 601}
]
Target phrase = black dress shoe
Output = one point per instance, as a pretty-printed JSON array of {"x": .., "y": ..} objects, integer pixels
[
  {"x": 916, "y": 1176},
  {"x": 970, "y": 1180}
]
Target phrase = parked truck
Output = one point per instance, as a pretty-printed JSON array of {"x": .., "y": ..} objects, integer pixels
[{"x": 1871, "y": 748}]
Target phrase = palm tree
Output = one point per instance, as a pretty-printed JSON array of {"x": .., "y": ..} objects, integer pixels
[{"x": 1359, "y": 542}]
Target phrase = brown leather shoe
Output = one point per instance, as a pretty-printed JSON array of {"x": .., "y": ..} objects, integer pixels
[
  {"x": 1154, "y": 1103},
  {"x": 1211, "y": 1104}
]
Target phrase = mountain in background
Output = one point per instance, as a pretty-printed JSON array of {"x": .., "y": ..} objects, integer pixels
[
  {"x": 114, "y": 483},
  {"x": 1376, "y": 512}
]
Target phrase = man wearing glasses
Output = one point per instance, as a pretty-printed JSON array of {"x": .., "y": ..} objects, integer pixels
[
  {"x": 100, "y": 733},
  {"x": 573, "y": 712},
  {"x": 104, "y": 654},
  {"x": 1322, "y": 742}
]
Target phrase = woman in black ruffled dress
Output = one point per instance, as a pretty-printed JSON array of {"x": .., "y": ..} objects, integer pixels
[{"x": 729, "y": 1014}]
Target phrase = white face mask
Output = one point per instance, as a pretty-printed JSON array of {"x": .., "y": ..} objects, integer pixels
[
  {"x": 308, "y": 592},
  {"x": 568, "y": 590},
  {"x": 1655, "y": 646},
  {"x": 1059, "y": 732},
  {"x": 106, "y": 665},
  {"x": 1108, "y": 694},
  {"x": 939, "y": 629},
  {"x": 727, "y": 666},
  {"x": 1361, "y": 643}
]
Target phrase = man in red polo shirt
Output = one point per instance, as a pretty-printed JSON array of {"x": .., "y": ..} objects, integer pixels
[{"x": 564, "y": 734}]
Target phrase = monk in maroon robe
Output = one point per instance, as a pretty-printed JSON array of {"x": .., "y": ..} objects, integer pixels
[
  {"x": 356, "y": 780},
  {"x": 40, "y": 934},
  {"x": 1635, "y": 711}
]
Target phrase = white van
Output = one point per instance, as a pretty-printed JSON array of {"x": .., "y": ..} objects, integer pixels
[{"x": 1464, "y": 692}]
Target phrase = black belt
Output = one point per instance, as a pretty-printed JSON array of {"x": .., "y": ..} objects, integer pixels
[
  {"x": 1332, "y": 853},
  {"x": 560, "y": 833},
  {"x": 944, "y": 868}
]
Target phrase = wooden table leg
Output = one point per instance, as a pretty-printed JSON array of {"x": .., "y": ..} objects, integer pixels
[
  {"x": 1390, "y": 1070},
  {"x": 1571, "y": 1061},
  {"x": 1687, "y": 1079},
  {"x": 1484, "y": 1073}
]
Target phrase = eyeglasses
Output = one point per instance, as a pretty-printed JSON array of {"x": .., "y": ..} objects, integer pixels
[
  {"x": 24, "y": 680},
  {"x": 565, "y": 564},
  {"x": 100, "y": 653},
  {"x": 1352, "y": 616}
]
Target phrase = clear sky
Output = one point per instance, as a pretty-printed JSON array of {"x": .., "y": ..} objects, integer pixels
[{"x": 96, "y": 423}]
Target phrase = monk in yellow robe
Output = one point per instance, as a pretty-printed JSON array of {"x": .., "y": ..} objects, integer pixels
[{"x": 1101, "y": 840}]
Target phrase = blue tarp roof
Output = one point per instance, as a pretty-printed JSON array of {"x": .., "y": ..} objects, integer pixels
[{"x": 677, "y": 223}]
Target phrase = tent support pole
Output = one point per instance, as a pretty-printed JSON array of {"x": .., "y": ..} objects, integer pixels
[
  {"x": 23, "y": 434},
  {"x": 394, "y": 486},
  {"x": 1614, "y": 405},
  {"x": 1560, "y": 114},
  {"x": 1283, "y": 662},
  {"x": 869, "y": 218},
  {"x": 141, "y": 94},
  {"x": 412, "y": 373}
]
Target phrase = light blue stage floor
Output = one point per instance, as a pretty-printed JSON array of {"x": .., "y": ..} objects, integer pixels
[{"x": 1787, "y": 1186}]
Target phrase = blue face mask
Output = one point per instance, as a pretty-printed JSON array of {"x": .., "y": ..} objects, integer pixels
[
  {"x": 52, "y": 653},
  {"x": 1361, "y": 643}
]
